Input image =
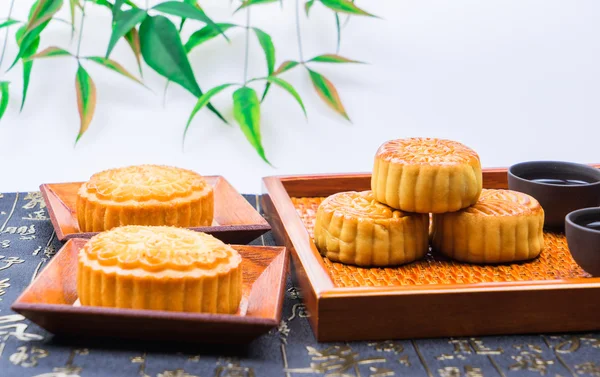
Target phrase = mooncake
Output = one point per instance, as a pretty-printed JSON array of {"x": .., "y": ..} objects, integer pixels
[
  {"x": 503, "y": 226},
  {"x": 352, "y": 228},
  {"x": 159, "y": 268},
  {"x": 426, "y": 175},
  {"x": 144, "y": 195}
]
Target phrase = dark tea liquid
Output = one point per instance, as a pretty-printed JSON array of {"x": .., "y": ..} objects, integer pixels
[
  {"x": 562, "y": 182},
  {"x": 594, "y": 225}
]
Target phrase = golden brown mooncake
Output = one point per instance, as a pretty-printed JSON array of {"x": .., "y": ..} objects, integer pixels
[
  {"x": 426, "y": 175},
  {"x": 503, "y": 226},
  {"x": 159, "y": 268},
  {"x": 144, "y": 195},
  {"x": 352, "y": 228}
]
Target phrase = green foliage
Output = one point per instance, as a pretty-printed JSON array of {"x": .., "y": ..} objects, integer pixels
[
  {"x": 162, "y": 51},
  {"x": 86, "y": 99},
  {"x": 185, "y": 10},
  {"x": 114, "y": 66},
  {"x": 345, "y": 6},
  {"x": 327, "y": 92},
  {"x": 4, "y": 97},
  {"x": 332, "y": 58},
  {"x": 49, "y": 52},
  {"x": 246, "y": 111},
  {"x": 156, "y": 40},
  {"x": 203, "y": 100},
  {"x": 8, "y": 23},
  {"x": 248, "y": 3},
  {"x": 269, "y": 49},
  {"x": 289, "y": 88},
  {"x": 27, "y": 65},
  {"x": 308, "y": 5},
  {"x": 205, "y": 34},
  {"x": 124, "y": 24}
]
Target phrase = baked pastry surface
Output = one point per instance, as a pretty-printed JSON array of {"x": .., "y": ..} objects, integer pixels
[
  {"x": 144, "y": 195},
  {"x": 426, "y": 175},
  {"x": 503, "y": 226},
  {"x": 159, "y": 268},
  {"x": 352, "y": 228}
]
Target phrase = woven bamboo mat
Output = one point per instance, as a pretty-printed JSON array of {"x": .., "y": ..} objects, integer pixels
[{"x": 555, "y": 262}]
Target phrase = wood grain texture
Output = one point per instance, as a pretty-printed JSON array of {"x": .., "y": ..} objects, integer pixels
[
  {"x": 50, "y": 302},
  {"x": 235, "y": 220},
  {"x": 413, "y": 311}
]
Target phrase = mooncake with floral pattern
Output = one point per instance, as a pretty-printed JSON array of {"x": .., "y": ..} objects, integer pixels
[
  {"x": 144, "y": 195},
  {"x": 159, "y": 268}
]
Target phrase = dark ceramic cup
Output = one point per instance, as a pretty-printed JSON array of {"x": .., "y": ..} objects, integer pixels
[
  {"x": 584, "y": 242},
  {"x": 560, "y": 187}
]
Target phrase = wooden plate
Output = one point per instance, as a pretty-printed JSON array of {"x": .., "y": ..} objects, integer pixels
[
  {"x": 235, "y": 220},
  {"x": 51, "y": 302},
  {"x": 434, "y": 297}
]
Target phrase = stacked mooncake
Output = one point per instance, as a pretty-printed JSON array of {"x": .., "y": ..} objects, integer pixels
[{"x": 411, "y": 179}]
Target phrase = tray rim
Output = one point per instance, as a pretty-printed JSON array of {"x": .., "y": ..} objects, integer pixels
[
  {"x": 263, "y": 322},
  {"x": 261, "y": 228}
]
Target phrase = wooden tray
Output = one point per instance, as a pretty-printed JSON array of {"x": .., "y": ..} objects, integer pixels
[
  {"x": 235, "y": 220},
  {"x": 51, "y": 302},
  {"x": 434, "y": 297}
]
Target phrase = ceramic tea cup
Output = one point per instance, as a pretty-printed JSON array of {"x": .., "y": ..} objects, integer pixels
[
  {"x": 582, "y": 228},
  {"x": 560, "y": 187}
]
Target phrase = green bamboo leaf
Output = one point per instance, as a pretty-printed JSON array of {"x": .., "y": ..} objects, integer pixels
[
  {"x": 345, "y": 6},
  {"x": 183, "y": 19},
  {"x": 285, "y": 66},
  {"x": 163, "y": 52},
  {"x": 125, "y": 22},
  {"x": 43, "y": 12},
  {"x": 133, "y": 39},
  {"x": 289, "y": 88},
  {"x": 8, "y": 23},
  {"x": 246, "y": 111},
  {"x": 203, "y": 101},
  {"x": 48, "y": 53},
  {"x": 72, "y": 5},
  {"x": 248, "y": 3},
  {"x": 188, "y": 11},
  {"x": 338, "y": 32},
  {"x": 102, "y": 2},
  {"x": 333, "y": 58},
  {"x": 27, "y": 65},
  {"x": 205, "y": 34},
  {"x": 116, "y": 9},
  {"x": 269, "y": 49},
  {"x": 308, "y": 5},
  {"x": 26, "y": 39},
  {"x": 86, "y": 99},
  {"x": 327, "y": 92},
  {"x": 4, "y": 97},
  {"x": 113, "y": 65}
]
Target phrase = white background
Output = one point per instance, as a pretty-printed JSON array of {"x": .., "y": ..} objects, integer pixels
[{"x": 514, "y": 79}]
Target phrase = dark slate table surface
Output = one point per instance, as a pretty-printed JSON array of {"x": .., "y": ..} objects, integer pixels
[{"x": 27, "y": 243}]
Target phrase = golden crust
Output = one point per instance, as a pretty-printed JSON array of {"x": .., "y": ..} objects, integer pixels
[
  {"x": 161, "y": 268},
  {"x": 503, "y": 226},
  {"x": 144, "y": 195},
  {"x": 426, "y": 175},
  {"x": 353, "y": 228}
]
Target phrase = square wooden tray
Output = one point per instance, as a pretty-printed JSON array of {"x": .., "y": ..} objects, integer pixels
[
  {"x": 51, "y": 302},
  {"x": 434, "y": 297},
  {"x": 235, "y": 220}
]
